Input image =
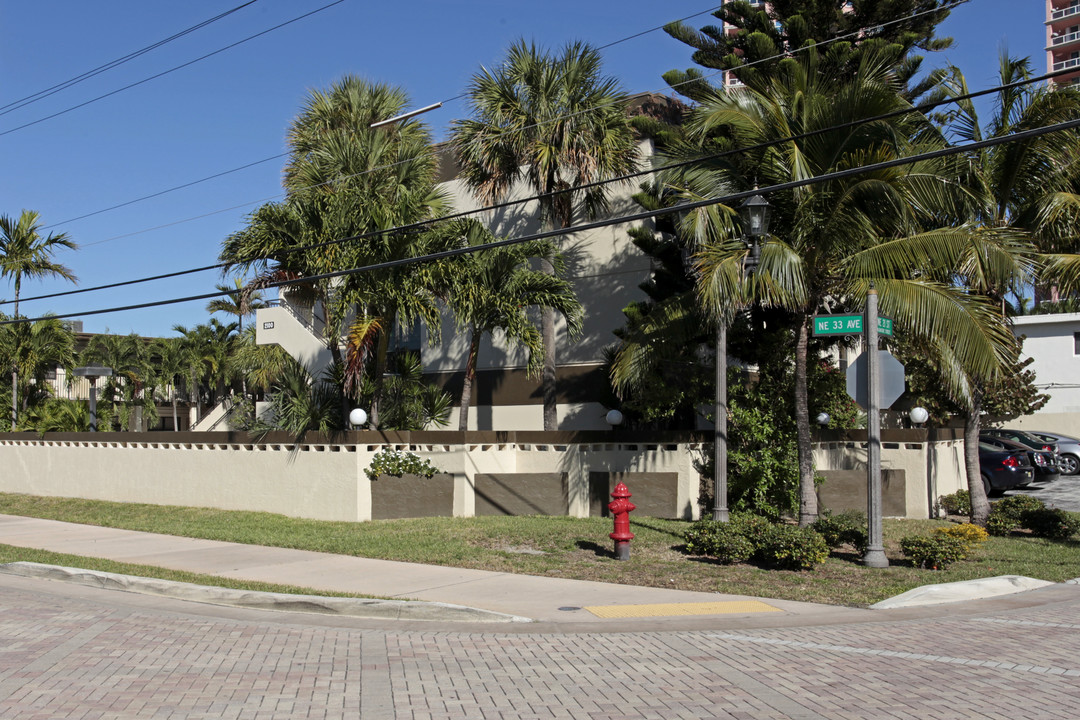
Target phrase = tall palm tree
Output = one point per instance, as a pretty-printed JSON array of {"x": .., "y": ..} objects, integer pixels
[
  {"x": 344, "y": 179},
  {"x": 1012, "y": 187},
  {"x": 239, "y": 302},
  {"x": 24, "y": 253},
  {"x": 130, "y": 359},
  {"x": 553, "y": 122},
  {"x": 832, "y": 241},
  {"x": 494, "y": 293},
  {"x": 171, "y": 368},
  {"x": 34, "y": 349}
]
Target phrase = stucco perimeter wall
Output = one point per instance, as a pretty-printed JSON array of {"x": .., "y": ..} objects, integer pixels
[
  {"x": 323, "y": 478},
  {"x": 931, "y": 463}
]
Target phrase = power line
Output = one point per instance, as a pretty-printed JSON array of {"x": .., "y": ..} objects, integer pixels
[
  {"x": 623, "y": 219},
  {"x": 41, "y": 94},
  {"x": 623, "y": 178},
  {"x": 854, "y": 34},
  {"x": 170, "y": 70}
]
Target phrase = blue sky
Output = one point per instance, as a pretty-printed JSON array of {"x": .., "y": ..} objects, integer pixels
[{"x": 232, "y": 109}]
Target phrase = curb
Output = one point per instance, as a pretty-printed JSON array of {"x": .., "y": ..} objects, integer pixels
[{"x": 249, "y": 599}]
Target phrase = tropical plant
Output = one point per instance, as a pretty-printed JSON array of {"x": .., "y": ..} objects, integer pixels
[
  {"x": 555, "y": 123},
  {"x": 60, "y": 415},
  {"x": 1012, "y": 186},
  {"x": 344, "y": 181},
  {"x": 410, "y": 403},
  {"x": 34, "y": 349},
  {"x": 832, "y": 241},
  {"x": 752, "y": 38},
  {"x": 493, "y": 293},
  {"x": 24, "y": 253},
  {"x": 131, "y": 382},
  {"x": 238, "y": 301}
]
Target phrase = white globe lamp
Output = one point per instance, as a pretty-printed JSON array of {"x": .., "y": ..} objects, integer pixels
[{"x": 357, "y": 417}]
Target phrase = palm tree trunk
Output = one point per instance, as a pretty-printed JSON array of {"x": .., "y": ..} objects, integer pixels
[
  {"x": 980, "y": 505},
  {"x": 15, "y": 366},
  {"x": 175, "y": 424},
  {"x": 547, "y": 330},
  {"x": 470, "y": 376},
  {"x": 382, "y": 350},
  {"x": 808, "y": 507}
]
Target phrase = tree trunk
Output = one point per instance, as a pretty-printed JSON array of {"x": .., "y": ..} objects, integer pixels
[
  {"x": 980, "y": 505},
  {"x": 382, "y": 350},
  {"x": 15, "y": 365},
  {"x": 808, "y": 508},
  {"x": 470, "y": 377},
  {"x": 175, "y": 421}
]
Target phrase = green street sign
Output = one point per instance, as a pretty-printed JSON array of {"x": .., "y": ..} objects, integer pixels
[{"x": 848, "y": 325}]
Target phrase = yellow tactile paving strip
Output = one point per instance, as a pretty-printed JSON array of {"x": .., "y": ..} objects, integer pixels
[{"x": 673, "y": 609}]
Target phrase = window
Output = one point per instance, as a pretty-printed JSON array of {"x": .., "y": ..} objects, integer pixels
[{"x": 1076, "y": 343}]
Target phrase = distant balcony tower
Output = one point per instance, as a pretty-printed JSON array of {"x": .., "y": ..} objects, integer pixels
[{"x": 1063, "y": 39}]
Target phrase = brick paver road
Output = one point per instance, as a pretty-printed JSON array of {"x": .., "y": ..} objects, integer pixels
[{"x": 68, "y": 652}]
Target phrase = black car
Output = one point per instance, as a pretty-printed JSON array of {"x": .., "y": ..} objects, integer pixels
[
  {"x": 1043, "y": 462},
  {"x": 1003, "y": 468},
  {"x": 1024, "y": 438}
]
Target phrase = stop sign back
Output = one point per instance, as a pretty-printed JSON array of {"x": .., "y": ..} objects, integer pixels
[{"x": 890, "y": 382}]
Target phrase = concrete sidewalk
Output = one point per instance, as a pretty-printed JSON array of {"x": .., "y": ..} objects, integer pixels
[{"x": 491, "y": 596}]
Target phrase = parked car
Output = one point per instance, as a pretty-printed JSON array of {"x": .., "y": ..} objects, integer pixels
[
  {"x": 1003, "y": 468},
  {"x": 1068, "y": 450},
  {"x": 1042, "y": 461},
  {"x": 1024, "y": 438}
]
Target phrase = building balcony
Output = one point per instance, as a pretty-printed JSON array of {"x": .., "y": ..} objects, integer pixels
[
  {"x": 1070, "y": 63},
  {"x": 1060, "y": 40},
  {"x": 1064, "y": 13}
]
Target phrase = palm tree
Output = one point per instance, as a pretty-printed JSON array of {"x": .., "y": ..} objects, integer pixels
[
  {"x": 832, "y": 241},
  {"x": 345, "y": 179},
  {"x": 25, "y": 253},
  {"x": 207, "y": 354},
  {"x": 555, "y": 123},
  {"x": 238, "y": 301},
  {"x": 1013, "y": 187},
  {"x": 171, "y": 367},
  {"x": 130, "y": 359},
  {"x": 34, "y": 349},
  {"x": 494, "y": 292}
]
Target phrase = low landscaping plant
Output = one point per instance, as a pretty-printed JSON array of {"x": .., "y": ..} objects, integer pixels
[
  {"x": 1051, "y": 523},
  {"x": 752, "y": 537},
  {"x": 398, "y": 463},
  {"x": 1007, "y": 514},
  {"x": 723, "y": 542},
  {"x": 845, "y": 528},
  {"x": 972, "y": 535},
  {"x": 957, "y": 503},
  {"x": 934, "y": 552},
  {"x": 791, "y": 547}
]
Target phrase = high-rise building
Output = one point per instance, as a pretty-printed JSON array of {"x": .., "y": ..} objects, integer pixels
[{"x": 1063, "y": 39}]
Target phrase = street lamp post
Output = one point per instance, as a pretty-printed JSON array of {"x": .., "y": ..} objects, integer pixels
[
  {"x": 92, "y": 373},
  {"x": 755, "y": 217}
]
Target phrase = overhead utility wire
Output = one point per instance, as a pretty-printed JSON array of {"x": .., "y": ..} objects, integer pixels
[
  {"x": 41, "y": 94},
  {"x": 623, "y": 219},
  {"x": 170, "y": 70},
  {"x": 622, "y": 178},
  {"x": 244, "y": 167},
  {"x": 443, "y": 102}
]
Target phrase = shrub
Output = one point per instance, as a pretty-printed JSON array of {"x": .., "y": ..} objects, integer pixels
[
  {"x": 846, "y": 528},
  {"x": 972, "y": 535},
  {"x": 936, "y": 552},
  {"x": 1007, "y": 515},
  {"x": 792, "y": 548},
  {"x": 957, "y": 503},
  {"x": 1050, "y": 523},
  {"x": 398, "y": 463},
  {"x": 722, "y": 541},
  {"x": 751, "y": 526}
]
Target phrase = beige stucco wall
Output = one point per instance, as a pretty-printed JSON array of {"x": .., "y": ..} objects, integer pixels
[
  {"x": 932, "y": 466},
  {"x": 318, "y": 480}
]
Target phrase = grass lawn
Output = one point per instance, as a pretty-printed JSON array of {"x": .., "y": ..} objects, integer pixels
[{"x": 551, "y": 546}]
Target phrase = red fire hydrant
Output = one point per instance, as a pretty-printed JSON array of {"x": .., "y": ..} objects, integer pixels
[{"x": 620, "y": 509}]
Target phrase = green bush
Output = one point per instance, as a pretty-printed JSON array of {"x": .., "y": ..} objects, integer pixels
[
  {"x": 722, "y": 541},
  {"x": 751, "y": 526},
  {"x": 846, "y": 528},
  {"x": 936, "y": 552},
  {"x": 792, "y": 548},
  {"x": 1050, "y": 523},
  {"x": 1007, "y": 514},
  {"x": 957, "y": 503},
  {"x": 398, "y": 463}
]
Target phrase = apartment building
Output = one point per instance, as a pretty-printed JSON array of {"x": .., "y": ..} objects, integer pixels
[{"x": 1063, "y": 39}]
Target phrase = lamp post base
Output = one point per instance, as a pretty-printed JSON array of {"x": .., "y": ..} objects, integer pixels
[{"x": 875, "y": 558}]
